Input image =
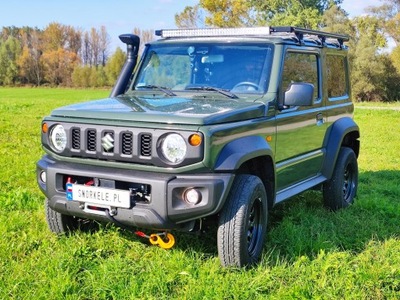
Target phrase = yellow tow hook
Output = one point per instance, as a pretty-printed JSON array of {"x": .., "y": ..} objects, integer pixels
[
  {"x": 167, "y": 242},
  {"x": 164, "y": 240}
]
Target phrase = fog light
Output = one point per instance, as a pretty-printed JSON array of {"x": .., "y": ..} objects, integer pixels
[
  {"x": 43, "y": 176},
  {"x": 192, "y": 196}
]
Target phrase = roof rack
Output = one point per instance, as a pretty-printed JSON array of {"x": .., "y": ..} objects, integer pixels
[
  {"x": 322, "y": 35},
  {"x": 254, "y": 31}
]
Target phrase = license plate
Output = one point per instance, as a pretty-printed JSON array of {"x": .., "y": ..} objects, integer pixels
[{"x": 98, "y": 195}]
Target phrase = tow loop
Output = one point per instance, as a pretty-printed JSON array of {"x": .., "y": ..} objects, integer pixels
[{"x": 164, "y": 240}]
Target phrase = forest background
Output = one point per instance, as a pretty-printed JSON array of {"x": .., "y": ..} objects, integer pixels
[{"x": 67, "y": 56}]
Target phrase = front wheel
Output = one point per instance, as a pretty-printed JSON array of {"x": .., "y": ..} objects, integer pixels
[
  {"x": 61, "y": 224},
  {"x": 243, "y": 223},
  {"x": 341, "y": 189}
]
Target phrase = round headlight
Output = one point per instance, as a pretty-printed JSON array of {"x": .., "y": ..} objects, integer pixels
[
  {"x": 174, "y": 148},
  {"x": 58, "y": 138}
]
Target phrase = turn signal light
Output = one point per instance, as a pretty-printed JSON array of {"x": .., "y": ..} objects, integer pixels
[
  {"x": 195, "y": 140},
  {"x": 45, "y": 127}
]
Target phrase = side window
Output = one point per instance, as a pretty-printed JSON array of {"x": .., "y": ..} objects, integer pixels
[
  {"x": 301, "y": 67},
  {"x": 337, "y": 80}
]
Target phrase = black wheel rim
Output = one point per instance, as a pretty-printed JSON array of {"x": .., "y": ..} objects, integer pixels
[
  {"x": 348, "y": 182},
  {"x": 254, "y": 226}
]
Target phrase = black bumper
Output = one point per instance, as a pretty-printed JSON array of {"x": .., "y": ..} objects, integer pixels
[{"x": 165, "y": 208}]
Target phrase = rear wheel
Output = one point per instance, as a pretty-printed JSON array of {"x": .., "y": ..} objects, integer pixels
[
  {"x": 243, "y": 223},
  {"x": 341, "y": 189}
]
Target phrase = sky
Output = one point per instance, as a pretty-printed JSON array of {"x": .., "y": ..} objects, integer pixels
[{"x": 118, "y": 16}]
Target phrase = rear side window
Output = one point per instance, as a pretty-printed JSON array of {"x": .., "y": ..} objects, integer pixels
[
  {"x": 337, "y": 79},
  {"x": 301, "y": 67}
]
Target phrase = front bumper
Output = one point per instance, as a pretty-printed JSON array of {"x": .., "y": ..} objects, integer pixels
[{"x": 165, "y": 208}]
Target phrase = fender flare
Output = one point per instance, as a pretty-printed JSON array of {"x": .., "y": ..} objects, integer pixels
[
  {"x": 334, "y": 140},
  {"x": 236, "y": 152}
]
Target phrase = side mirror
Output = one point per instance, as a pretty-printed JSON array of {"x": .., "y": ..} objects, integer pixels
[{"x": 299, "y": 94}]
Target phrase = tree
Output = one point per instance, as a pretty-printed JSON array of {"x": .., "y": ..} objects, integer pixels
[
  {"x": 335, "y": 19},
  {"x": 389, "y": 16},
  {"x": 44, "y": 55},
  {"x": 374, "y": 75},
  {"x": 30, "y": 62},
  {"x": 95, "y": 47},
  {"x": 9, "y": 53},
  {"x": 81, "y": 76},
  {"x": 114, "y": 65},
  {"x": 393, "y": 28},
  {"x": 104, "y": 43},
  {"x": 86, "y": 50},
  {"x": 296, "y": 15},
  {"x": 6, "y": 32},
  {"x": 303, "y": 13},
  {"x": 228, "y": 13},
  {"x": 73, "y": 39},
  {"x": 234, "y": 13},
  {"x": 146, "y": 36},
  {"x": 54, "y": 37},
  {"x": 272, "y": 7},
  {"x": 191, "y": 17},
  {"x": 389, "y": 83},
  {"x": 395, "y": 57},
  {"x": 98, "y": 77},
  {"x": 94, "y": 50},
  {"x": 367, "y": 68},
  {"x": 59, "y": 66}
]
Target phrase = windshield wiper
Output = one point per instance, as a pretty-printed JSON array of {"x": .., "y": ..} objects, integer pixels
[
  {"x": 214, "y": 89},
  {"x": 156, "y": 87}
]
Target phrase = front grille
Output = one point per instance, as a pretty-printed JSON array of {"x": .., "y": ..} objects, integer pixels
[
  {"x": 145, "y": 144},
  {"x": 111, "y": 143},
  {"x": 91, "y": 140},
  {"x": 76, "y": 138},
  {"x": 132, "y": 145},
  {"x": 127, "y": 143}
]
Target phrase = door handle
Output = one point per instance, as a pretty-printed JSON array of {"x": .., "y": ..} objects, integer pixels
[{"x": 320, "y": 119}]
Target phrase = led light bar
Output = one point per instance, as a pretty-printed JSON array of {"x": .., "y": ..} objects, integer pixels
[
  {"x": 299, "y": 33},
  {"x": 197, "y": 32}
]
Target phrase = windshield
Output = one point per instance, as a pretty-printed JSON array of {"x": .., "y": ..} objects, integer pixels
[{"x": 235, "y": 67}]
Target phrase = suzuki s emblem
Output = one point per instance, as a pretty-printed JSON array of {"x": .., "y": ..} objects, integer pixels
[{"x": 107, "y": 142}]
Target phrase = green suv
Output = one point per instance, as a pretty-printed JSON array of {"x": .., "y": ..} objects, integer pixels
[{"x": 210, "y": 125}]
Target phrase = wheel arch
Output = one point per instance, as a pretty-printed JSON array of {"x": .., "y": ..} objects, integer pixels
[
  {"x": 250, "y": 155},
  {"x": 342, "y": 133}
]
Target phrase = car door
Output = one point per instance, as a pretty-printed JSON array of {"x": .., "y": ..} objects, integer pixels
[{"x": 300, "y": 129}]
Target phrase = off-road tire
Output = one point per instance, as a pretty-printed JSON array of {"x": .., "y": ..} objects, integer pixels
[
  {"x": 340, "y": 191},
  {"x": 243, "y": 223},
  {"x": 60, "y": 223}
]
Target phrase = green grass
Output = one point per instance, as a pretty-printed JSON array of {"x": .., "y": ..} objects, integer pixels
[
  {"x": 310, "y": 252},
  {"x": 390, "y": 105}
]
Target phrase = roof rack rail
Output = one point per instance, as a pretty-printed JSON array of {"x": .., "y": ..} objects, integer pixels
[{"x": 300, "y": 32}]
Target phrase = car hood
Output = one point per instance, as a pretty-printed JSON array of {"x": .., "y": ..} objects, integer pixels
[{"x": 171, "y": 110}]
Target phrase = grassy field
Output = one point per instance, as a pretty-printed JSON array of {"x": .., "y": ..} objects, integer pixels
[{"x": 311, "y": 253}]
